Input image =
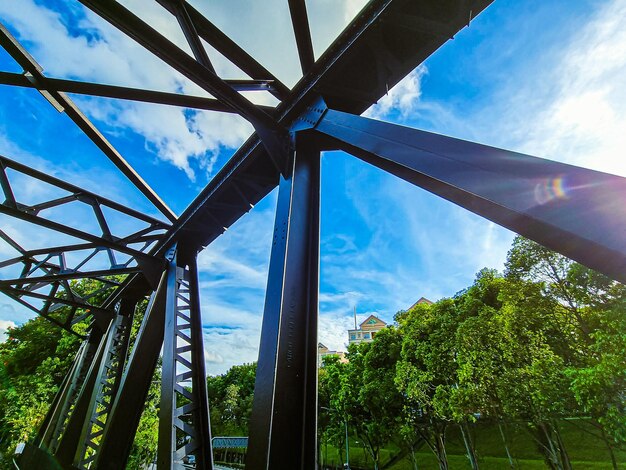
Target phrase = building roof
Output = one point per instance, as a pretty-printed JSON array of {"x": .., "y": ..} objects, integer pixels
[
  {"x": 422, "y": 300},
  {"x": 371, "y": 321}
]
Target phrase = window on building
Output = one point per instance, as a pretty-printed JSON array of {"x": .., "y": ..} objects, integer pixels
[
  {"x": 366, "y": 336},
  {"x": 373, "y": 334},
  {"x": 352, "y": 336}
]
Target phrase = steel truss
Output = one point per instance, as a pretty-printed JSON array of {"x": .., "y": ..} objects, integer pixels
[
  {"x": 92, "y": 422},
  {"x": 108, "y": 380},
  {"x": 46, "y": 274},
  {"x": 184, "y": 429}
]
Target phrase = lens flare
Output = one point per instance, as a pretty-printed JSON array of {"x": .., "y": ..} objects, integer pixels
[{"x": 550, "y": 189}]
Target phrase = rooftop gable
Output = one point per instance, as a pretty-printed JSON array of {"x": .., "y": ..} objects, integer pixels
[
  {"x": 422, "y": 300},
  {"x": 372, "y": 322}
]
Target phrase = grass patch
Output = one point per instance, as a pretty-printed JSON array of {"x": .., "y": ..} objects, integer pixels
[{"x": 586, "y": 449}]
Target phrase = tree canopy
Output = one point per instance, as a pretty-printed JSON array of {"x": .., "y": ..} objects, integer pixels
[{"x": 542, "y": 343}]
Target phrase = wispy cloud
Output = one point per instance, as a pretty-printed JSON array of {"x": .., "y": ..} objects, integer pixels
[
  {"x": 416, "y": 244},
  {"x": 402, "y": 100}
]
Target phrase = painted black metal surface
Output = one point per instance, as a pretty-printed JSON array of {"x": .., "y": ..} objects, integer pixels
[
  {"x": 572, "y": 210},
  {"x": 283, "y": 422},
  {"x": 184, "y": 429},
  {"x": 339, "y": 75},
  {"x": 128, "y": 405}
]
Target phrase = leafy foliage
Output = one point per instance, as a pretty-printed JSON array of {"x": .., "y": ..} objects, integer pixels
[
  {"x": 544, "y": 341},
  {"x": 230, "y": 400}
]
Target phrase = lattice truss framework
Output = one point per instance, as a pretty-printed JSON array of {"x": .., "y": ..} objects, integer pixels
[{"x": 93, "y": 419}]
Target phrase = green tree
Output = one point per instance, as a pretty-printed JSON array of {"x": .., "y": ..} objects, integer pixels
[
  {"x": 589, "y": 309},
  {"x": 230, "y": 400},
  {"x": 34, "y": 360},
  {"x": 426, "y": 372},
  {"x": 332, "y": 417}
]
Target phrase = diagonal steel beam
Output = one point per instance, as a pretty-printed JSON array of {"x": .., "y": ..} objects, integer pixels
[
  {"x": 302, "y": 32},
  {"x": 63, "y": 103},
  {"x": 67, "y": 276},
  {"x": 31, "y": 213},
  {"x": 133, "y": 389},
  {"x": 184, "y": 429},
  {"x": 159, "y": 45},
  {"x": 574, "y": 211},
  {"x": 222, "y": 43},
  {"x": 71, "y": 188},
  {"x": 191, "y": 34},
  {"x": 346, "y": 64},
  {"x": 80, "y": 234},
  {"x": 135, "y": 94},
  {"x": 52, "y": 301}
]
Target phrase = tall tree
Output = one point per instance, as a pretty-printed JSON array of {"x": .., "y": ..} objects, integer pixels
[
  {"x": 591, "y": 309},
  {"x": 426, "y": 372},
  {"x": 230, "y": 400}
]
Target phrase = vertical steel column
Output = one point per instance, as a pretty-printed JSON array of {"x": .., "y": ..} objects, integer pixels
[
  {"x": 123, "y": 419},
  {"x": 53, "y": 435},
  {"x": 184, "y": 430},
  {"x": 284, "y": 413},
  {"x": 70, "y": 438},
  {"x": 107, "y": 384},
  {"x": 53, "y": 425}
]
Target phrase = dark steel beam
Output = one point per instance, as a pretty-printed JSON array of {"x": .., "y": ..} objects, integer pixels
[
  {"x": 136, "y": 94},
  {"x": 54, "y": 425},
  {"x": 109, "y": 375},
  {"x": 53, "y": 299},
  {"x": 574, "y": 211},
  {"x": 226, "y": 46},
  {"x": 8, "y": 163},
  {"x": 72, "y": 432},
  {"x": 68, "y": 276},
  {"x": 302, "y": 32},
  {"x": 105, "y": 241},
  {"x": 346, "y": 63},
  {"x": 253, "y": 85},
  {"x": 202, "y": 420},
  {"x": 124, "y": 417},
  {"x": 184, "y": 429},
  {"x": 63, "y": 103},
  {"x": 159, "y": 45},
  {"x": 61, "y": 228},
  {"x": 284, "y": 413},
  {"x": 189, "y": 30}
]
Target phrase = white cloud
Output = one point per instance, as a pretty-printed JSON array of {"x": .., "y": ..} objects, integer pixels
[
  {"x": 4, "y": 326},
  {"x": 233, "y": 278},
  {"x": 108, "y": 56},
  {"x": 574, "y": 110},
  {"x": 232, "y": 287},
  {"x": 418, "y": 244},
  {"x": 102, "y": 54},
  {"x": 402, "y": 99},
  {"x": 571, "y": 108}
]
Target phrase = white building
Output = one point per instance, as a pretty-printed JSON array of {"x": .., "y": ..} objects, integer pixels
[{"x": 366, "y": 331}]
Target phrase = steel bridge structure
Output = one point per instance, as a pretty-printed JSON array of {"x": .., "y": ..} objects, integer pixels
[{"x": 94, "y": 417}]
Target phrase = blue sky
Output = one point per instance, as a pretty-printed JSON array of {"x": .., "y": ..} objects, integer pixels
[{"x": 546, "y": 78}]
